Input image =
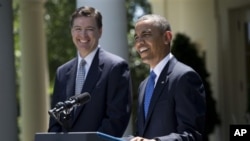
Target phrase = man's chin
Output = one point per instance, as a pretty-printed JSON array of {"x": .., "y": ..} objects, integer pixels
[{"x": 145, "y": 60}]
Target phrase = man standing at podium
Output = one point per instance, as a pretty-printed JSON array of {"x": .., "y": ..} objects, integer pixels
[
  {"x": 171, "y": 102},
  {"x": 105, "y": 76}
]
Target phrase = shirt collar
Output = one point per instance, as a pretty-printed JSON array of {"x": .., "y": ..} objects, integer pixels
[
  {"x": 159, "y": 67},
  {"x": 89, "y": 58}
]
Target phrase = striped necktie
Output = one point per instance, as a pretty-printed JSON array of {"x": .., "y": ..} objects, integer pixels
[{"x": 149, "y": 92}]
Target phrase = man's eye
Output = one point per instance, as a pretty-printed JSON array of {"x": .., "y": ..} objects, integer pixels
[
  {"x": 146, "y": 34},
  {"x": 90, "y": 29},
  {"x": 77, "y": 29}
]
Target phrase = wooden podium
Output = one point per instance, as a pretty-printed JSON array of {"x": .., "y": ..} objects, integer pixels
[{"x": 76, "y": 136}]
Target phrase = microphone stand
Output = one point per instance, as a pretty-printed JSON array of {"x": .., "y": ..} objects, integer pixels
[
  {"x": 61, "y": 117},
  {"x": 62, "y": 111}
]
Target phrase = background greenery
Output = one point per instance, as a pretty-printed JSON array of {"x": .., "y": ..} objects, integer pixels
[{"x": 61, "y": 49}]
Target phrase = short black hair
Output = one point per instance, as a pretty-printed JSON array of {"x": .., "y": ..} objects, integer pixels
[{"x": 86, "y": 11}]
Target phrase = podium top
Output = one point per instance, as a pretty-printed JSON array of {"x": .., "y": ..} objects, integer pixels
[{"x": 75, "y": 136}]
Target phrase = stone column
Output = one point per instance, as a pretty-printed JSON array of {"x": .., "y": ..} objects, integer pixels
[
  {"x": 8, "y": 104},
  {"x": 34, "y": 74},
  {"x": 114, "y": 33}
]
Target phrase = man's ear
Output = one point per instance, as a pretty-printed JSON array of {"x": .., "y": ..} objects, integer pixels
[
  {"x": 167, "y": 37},
  {"x": 100, "y": 32}
]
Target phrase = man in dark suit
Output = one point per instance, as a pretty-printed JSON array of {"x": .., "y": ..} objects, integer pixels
[
  {"x": 106, "y": 78},
  {"x": 176, "y": 109}
]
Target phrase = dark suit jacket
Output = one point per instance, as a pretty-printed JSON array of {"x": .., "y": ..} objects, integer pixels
[
  {"x": 109, "y": 84},
  {"x": 177, "y": 108}
]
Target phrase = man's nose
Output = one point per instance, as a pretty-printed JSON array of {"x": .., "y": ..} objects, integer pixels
[
  {"x": 82, "y": 32},
  {"x": 140, "y": 40}
]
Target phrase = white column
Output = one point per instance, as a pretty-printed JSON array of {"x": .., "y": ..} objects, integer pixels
[
  {"x": 114, "y": 36},
  {"x": 8, "y": 104},
  {"x": 34, "y": 74}
]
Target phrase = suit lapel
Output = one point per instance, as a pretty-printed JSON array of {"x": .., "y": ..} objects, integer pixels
[
  {"x": 161, "y": 83},
  {"x": 141, "y": 119},
  {"x": 93, "y": 76},
  {"x": 71, "y": 75},
  {"x": 94, "y": 73}
]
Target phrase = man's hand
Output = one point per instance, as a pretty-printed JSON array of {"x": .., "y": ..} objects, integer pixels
[{"x": 141, "y": 139}]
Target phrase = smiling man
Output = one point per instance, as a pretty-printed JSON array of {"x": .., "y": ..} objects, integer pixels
[
  {"x": 171, "y": 101},
  {"x": 102, "y": 74}
]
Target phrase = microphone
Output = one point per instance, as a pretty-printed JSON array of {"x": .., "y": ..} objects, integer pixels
[
  {"x": 77, "y": 100},
  {"x": 72, "y": 102}
]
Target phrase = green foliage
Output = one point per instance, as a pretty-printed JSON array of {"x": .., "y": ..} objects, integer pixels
[
  {"x": 132, "y": 7},
  {"x": 186, "y": 52},
  {"x": 16, "y": 32},
  {"x": 59, "y": 43},
  {"x": 17, "y": 53}
]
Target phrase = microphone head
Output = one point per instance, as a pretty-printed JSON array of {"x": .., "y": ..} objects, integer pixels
[{"x": 81, "y": 98}]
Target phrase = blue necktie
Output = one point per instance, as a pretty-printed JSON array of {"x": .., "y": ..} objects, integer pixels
[{"x": 149, "y": 92}]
